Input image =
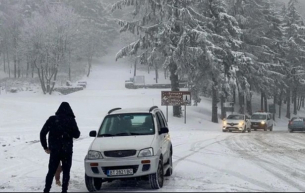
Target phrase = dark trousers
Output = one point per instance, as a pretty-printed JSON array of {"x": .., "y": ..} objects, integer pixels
[{"x": 66, "y": 161}]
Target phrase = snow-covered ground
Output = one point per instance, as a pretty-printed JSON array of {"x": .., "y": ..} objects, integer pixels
[{"x": 205, "y": 159}]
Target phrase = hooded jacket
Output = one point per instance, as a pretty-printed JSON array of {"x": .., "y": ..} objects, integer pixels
[{"x": 62, "y": 128}]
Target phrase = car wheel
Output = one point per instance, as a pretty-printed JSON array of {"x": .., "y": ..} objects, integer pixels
[
  {"x": 271, "y": 129},
  {"x": 224, "y": 130},
  {"x": 291, "y": 130},
  {"x": 93, "y": 184},
  {"x": 156, "y": 180},
  {"x": 266, "y": 128},
  {"x": 169, "y": 171},
  {"x": 249, "y": 130}
]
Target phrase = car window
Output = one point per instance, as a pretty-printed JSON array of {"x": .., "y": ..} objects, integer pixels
[
  {"x": 127, "y": 124},
  {"x": 235, "y": 117},
  {"x": 258, "y": 116},
  {"x": 160, "y": 121},
  {"x": 163, "y": 118}
]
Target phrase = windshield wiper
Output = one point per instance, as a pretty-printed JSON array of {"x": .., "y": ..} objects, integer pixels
[
  {"x": 138, "y": 133},
  {"x": 106, "y": 135},
  {"x": 121, "y": 134}
]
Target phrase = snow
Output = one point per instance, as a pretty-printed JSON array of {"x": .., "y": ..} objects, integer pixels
[{"x": 205, "y": 159}]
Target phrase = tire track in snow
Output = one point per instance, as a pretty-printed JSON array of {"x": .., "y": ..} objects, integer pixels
[{"x": 271, "y": 165}]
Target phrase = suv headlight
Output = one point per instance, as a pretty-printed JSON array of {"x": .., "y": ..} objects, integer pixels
[
  {"x": 94, "y": 155},
  {"x": 146, "y": 152},
  {"x": 263, "y": 122}
]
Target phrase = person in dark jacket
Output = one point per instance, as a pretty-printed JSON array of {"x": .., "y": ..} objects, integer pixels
[{"x": 62, "y": 128}]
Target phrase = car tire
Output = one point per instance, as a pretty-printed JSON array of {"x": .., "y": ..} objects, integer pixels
[
  {"x": 249, "y": 130},
  {"x": 169, "y": 171},
  {"x": 156, "y": 180},
  {"x": 224, "y": 130},
  {"x": 266, "y": 128},
  {"x": 271, "y": 129},
  {"x": 290, "y": 130},
  {"x": 93, "y": 184}
]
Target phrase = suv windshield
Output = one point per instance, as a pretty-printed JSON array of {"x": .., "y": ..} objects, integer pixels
[
  {"x": 127, "y": 124},
  {"x": 236, "y": 117},
  {"x": 260, "y": 117}
]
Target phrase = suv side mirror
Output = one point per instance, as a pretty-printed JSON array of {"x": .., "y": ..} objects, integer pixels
[
  {"x": 92, "y": 134},
  {"x": 163, "y": 130}
]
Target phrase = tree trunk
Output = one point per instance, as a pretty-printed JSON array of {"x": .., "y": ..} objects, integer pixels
[
  {"x": 135, "y": 68},
  {"x": 274, "y": 103},
  {"x": 214, "y": 105},
  {"x": 294, "y": 96},
  {"x": 241, "y": 99},
  {"x": 18, "y": 68},
  {"x": 15, "y": 66},
  {"x": 262, "y": 101},
  {"x": 89, "y": 65},
  {"x": 234, "y": 96},
  {"x": 69, "y": 63},
  {"x": 299, "y": 103},
  {"x": 288, "y": 103},
  {"x": 8, "y": 63},
  {"x": 223, "y": 112},
  {"x": 41, "y": 78},
  {"x": 175, "y": 87},
  {"x": 280, "y": 103},
  {"x": 27, "y": 66},
  {"x": 157, "y": 74},
  {"x": 266, "y": 103},
  {"x": 53, "y": 84},
  {"x": 4, "y": 63}
]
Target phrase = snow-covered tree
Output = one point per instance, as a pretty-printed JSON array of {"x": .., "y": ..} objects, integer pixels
[{"x": 46, "y": 37}]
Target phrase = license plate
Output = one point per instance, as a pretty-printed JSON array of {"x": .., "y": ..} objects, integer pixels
[{"x": 121, "y": 172}]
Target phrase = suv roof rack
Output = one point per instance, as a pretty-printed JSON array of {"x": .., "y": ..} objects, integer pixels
[
  {"x": 114, "y": 110},
  {"x": 152, "y": 108}
]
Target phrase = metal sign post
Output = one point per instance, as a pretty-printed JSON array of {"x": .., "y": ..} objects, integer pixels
[{"x": 167, "y": 113}]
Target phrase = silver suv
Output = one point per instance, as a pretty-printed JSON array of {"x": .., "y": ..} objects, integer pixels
[
  {"x": 261, "y": 120},
  {"x": 130, "y": 143}
]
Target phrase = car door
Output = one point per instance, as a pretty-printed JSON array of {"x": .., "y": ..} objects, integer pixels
[{"x": 163, "y": 137}]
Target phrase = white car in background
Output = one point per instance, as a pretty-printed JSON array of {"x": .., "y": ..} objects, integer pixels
[
  {"x": 236, "y": 122},
  {"x": 130, "y": 144}
]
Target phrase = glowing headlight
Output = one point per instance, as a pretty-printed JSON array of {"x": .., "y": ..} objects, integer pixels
[
  {"x": 224, "y": 123},
  {"x": 241, "y": 123},
  {"x": 94, "y": 155},
  {"x": 263, "y": 122},
  {"x": 146, "y": 152}
]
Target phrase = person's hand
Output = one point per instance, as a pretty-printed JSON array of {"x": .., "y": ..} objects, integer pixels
[{"x": 47, "y": 151}]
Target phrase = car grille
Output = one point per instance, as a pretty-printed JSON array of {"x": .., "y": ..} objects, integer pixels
[
  {"x": 120, "y": 153},
  {"x": 133, "y": 167},
  {"x": 258, "y": 123},
  {"x": 232, "y": 124}
]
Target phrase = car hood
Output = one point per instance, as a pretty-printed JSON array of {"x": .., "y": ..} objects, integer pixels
[
  {"x": 122, "y": 143},
  {"x": 233, "y": 121}
]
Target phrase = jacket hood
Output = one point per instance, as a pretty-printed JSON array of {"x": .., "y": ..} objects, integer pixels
[{"x": 65, "y": 109}]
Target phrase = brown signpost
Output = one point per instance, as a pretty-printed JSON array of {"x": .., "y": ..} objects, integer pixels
[{"x": 176, "y": 98}]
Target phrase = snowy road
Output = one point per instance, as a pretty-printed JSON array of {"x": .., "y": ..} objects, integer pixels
[{"x": 205, "y": 159}]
